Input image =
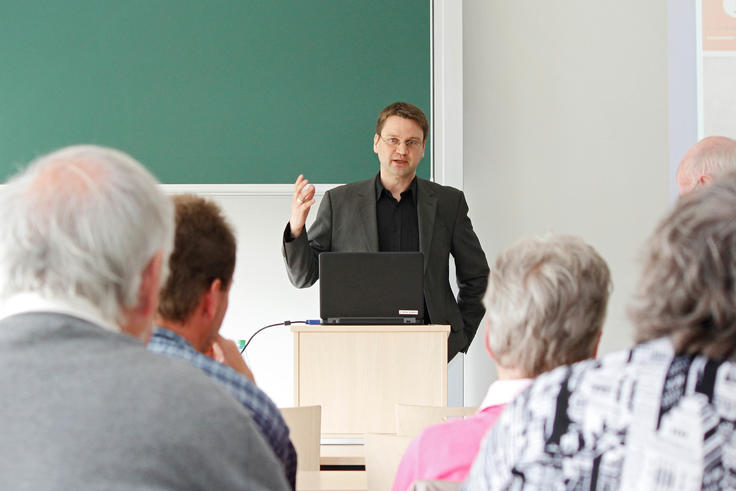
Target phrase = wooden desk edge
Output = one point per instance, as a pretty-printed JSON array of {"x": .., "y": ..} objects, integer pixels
[
  {"x": 342, "y": 454},
  {"x": 373, "y": 328}
]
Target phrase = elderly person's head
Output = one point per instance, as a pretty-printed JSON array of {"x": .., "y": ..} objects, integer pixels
[
  {"x": 546, "y": 303},
  {"x": 687, "y": 289},
  {"x": 706, "y": 160},
  {"x": 89, "y": 224}
]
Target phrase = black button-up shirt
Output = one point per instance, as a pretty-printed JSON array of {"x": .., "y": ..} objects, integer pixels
[{"x": 398, "y": 225}]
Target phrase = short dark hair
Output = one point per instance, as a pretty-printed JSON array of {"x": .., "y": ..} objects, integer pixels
[
  {"x": 204, "y": 250},
  {"x": 406, "y": 111},
  {"x": 687, "y": 290}
]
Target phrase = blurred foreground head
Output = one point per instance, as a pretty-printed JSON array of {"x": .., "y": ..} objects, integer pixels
[
  {"x": 686, "y": 291},
  {"x": 87, "y": 223}
]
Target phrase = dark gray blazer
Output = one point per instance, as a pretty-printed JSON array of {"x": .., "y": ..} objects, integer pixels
[{"x": 346, "y": 221}]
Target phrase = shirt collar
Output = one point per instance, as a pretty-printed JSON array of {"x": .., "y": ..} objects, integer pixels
[
  {"x": 23, "y": 303},
  {"x": 168, "y": 334},
  {"x": 380, "y": 188},
  {"x": 504, "y": 391}
]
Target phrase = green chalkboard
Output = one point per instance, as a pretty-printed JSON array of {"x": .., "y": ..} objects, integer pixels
[{"x": 218, "y": 91}]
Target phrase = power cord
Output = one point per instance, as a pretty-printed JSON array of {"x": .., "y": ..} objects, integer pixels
[{"x": 244, "y": 344}]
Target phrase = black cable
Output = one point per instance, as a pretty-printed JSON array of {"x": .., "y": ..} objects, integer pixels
[{"x": 285, "y": 323}]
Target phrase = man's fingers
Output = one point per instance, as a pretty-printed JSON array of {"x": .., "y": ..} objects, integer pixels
[
  {"x": 307, "y": 192},
  {"x": 299, "y": 184},
  {"x": 306, "y": 195},
  {"x": 219, "y": 354},
  {"x": 302, "y": 191}
]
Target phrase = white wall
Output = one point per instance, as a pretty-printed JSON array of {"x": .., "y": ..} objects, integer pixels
[{"x": 565, "y": 130}]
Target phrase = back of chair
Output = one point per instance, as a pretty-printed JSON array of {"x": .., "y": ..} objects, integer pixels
[
  {"x": 383, "y": 453},
  {"x": 411, "y": 420},
  {"x": 305, "y": 425}
]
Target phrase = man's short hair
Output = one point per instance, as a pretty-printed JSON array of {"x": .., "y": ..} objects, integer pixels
[
  {"x": 687, "y": 289},
  {"x": 84, "y": 221},
  {"x": 546, "y": 303},
  {"x": 204, "y": 250},
  {"x": 406, "y": 111}
]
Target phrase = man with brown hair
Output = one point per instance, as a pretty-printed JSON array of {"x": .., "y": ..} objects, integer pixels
[
  {"x": 397, "y": 211},
  {"x": 192, "y": 305}
]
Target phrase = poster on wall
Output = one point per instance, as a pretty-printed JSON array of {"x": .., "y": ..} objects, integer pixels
[{"x": 716, "y": 67}]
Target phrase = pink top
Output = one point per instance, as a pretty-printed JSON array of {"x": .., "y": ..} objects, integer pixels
[{"x": 446, "y": 451}]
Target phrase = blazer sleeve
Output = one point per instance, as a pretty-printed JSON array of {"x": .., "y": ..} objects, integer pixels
[
  {"x": 472, "y": 271},
  {"x": 301, "y": 254}
]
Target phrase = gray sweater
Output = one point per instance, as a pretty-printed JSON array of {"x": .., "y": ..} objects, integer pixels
[{"x": 84, "y": 408}]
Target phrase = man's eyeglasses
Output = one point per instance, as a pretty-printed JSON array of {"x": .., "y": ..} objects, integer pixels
[{"x": 411, "y": 144}]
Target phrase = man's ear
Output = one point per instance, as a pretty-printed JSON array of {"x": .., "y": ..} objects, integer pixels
[
  {"x": 211, "y": 299},
  {"x": 705, "y": 180},
  {"x": 150, "y": 286},
  {"x": 138, "y": 321},
  {"x": 375, "y": 143},
  {"x": 597, "y": 344}
]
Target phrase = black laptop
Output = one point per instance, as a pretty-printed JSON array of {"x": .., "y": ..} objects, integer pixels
[{"x": 371, "y": 287}]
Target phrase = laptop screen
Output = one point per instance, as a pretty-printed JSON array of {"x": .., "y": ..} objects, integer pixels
[{"x": 371, "y": 287}]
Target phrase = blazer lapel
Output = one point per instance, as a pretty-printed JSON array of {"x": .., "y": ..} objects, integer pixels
[
  {"x": 366, "y": 215},
  {"x": 426, "y": 211}
]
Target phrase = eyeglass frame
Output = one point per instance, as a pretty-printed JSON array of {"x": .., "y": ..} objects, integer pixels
[{"x": 410, "y": 144}]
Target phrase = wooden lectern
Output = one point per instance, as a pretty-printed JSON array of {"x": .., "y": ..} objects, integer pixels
[{"x": 359, "y": 373}]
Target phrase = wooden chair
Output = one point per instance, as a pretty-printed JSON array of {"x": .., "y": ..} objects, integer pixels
[
  {"x": 305, "y": 425},
  {"x": 383, "y": 453},
  {"x": 411, "y": 420}
]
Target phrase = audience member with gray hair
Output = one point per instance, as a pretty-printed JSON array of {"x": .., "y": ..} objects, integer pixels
[
  {"x": 660, "y": 415},
  {"x": 546, "y": 303},
  {"x": 86, "y": 235},
  {"x": 711, "y": 157}
]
